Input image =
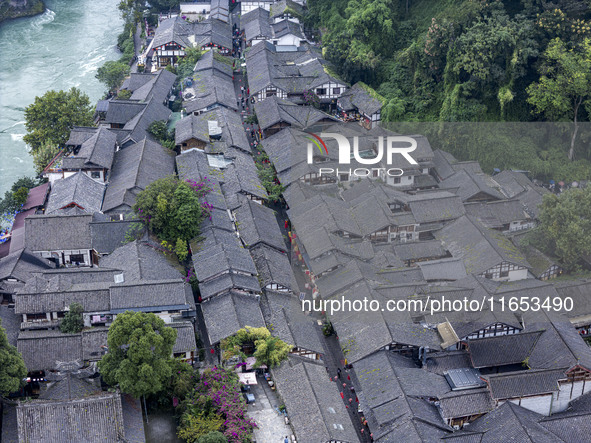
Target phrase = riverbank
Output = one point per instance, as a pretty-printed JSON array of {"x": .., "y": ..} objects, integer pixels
[{"x": 20, "y": 8}]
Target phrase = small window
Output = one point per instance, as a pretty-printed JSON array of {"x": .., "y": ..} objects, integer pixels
[
  {"x": 76, "y": 259},
  {"x": 504, "y": 274},
  {"x": 409, "y": 236},
  {"x": 95, "y": 174},
  {"x": 396, "y": 180},
  {"x": 321, "y": 91},
  {"x": 336, "y": 91}
]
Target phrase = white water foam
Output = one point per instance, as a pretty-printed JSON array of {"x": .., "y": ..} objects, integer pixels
[{"x": 47, "y": 17}]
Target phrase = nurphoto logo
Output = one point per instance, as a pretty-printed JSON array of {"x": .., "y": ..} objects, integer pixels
[{"x": 395, "y": 144}]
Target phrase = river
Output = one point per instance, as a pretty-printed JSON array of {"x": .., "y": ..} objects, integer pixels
[{"x": 59, "y": 49}]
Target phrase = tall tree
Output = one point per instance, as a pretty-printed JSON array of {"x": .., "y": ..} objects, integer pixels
[
  {"x": 73, "y": 321},
  {"x": 112, "y": 73},
  {"x": 53, "y": 115},
  {"x": 139, "y": 357},
  {"x": 564, "y": 85},
  {"x": 43, "y": 155},
  {"x": 565, "y": 222},
  {"x": 12, "y": 366}
]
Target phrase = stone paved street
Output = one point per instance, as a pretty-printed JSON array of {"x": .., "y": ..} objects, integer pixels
[{"x": 271, "y": 426}]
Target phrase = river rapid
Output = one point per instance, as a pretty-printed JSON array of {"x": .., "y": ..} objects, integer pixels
[{"x": 59, "y": 49}]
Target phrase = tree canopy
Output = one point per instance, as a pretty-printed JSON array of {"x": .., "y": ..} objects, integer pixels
[
  {"x": 565, "y": 84},
  {"x": 469, "y": 61},
  {"x": 172, "y": 209},
  {"x": 112, "y": 74},
  {"x": 139, "y": 357},
  {"x": 269, "y": 350},
  {"x": 12, "y": 367},
  {"x": 565, "y": 224},
  {"x": 73, "y": 322},
  {"x": 51, "y": 117},
  {"x": 17, "y": 195}
]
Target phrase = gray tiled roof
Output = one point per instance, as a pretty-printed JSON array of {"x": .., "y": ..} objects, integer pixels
[
  {"x": 22, "y": 264},
  {"x": 445, "y": 269},
  {"x": 465, "y": 403},
  {"x": 362, "y": 100},
  {"x": 122, "y": 111},
  {"x": 42, "y": 350},
  {"x": 136, "y": 129},
  {"x": 185, "y": 337},
  {"x": 419, "y": 250},
  {"x": 325, "y": 419},
  {"x": 470, "y": 185},
  {"x": 134, "y": 168},
  {"x": 97, "y": 150},
  {"x": 10, "y": 322},
  {"x": 524, "y": 383},
  {"x": 392, "y": 398},
  {"x": 293, "y": 72},
  {"x": 497, "y": 214},
  {"x": 150, "y": 294},
  {"x": 92, "y": 419},
  {"x": 196, "y": 126},
  {"x": 574, "y": 424},
  {"x": 92, "y": 297},
  {"x": 140, "y": 261},
  {"x": 255, "y": 24},
  {"x": 510, "y": 422},
  {"x": 226, "y": 282},
  {"x": 285, "y": 319},
  {"x": 478, "y": 247},
  {"x": 209, "y": 91},
  {"x": 214, "y": 61},
  {"x": 222, "y": 258},
  {"x": 279, "y": 8},
  {"x": 560, "y": 346},
  {"x": 79, "y": 190},
  {"x": 273, "y": 267},
  {"x": 109, "y": 235},
  {"x": 68, "y": 388},
  {"x": 92, "y": 341},
  {"x": 274, "y": 110},
  {"x": 258, "y": 224},
  {"x": 55, "y": 232},
  {"x": 512, "y": 183},
  {"x": 190, "y": 35},
  {"x": 502, "y": 350},
  {"x": 226, "y": 314},
  {"x": 157, "y": 88},
  {"x": 287, "y": 27}
]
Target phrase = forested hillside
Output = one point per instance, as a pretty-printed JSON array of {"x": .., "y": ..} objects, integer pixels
[{"x": 471, "y": 60}]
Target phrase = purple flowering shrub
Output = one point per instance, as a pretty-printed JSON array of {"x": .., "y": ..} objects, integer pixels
[{"x": 217, "y": 393}]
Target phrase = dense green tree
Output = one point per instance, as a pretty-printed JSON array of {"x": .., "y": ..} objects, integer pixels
[
  {"x": 73, "y": 322},
  {"x": 12, "y": 366},
  {"x": 139, "y": 357},
  {"x": 112, "y": 73},
  {"x": 171, "y": 209},
  {"x": 43, "y": 155},
  {"x": 564, "y": 86},
  {"x": 195, "y": 427},
  {"x": 16, "y": 197},
  {"x": 271, "y": 351},
  {"x": 53, "y": 115},
  {"x": 187, "y": 63},
  {"x": 159, "y": 130},
  {"x": 565, "y": 224}
]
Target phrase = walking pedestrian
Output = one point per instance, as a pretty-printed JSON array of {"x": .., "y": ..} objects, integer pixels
[
  {"x": 286, "y": 440},
  {"x": 338, "y": 369}
]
